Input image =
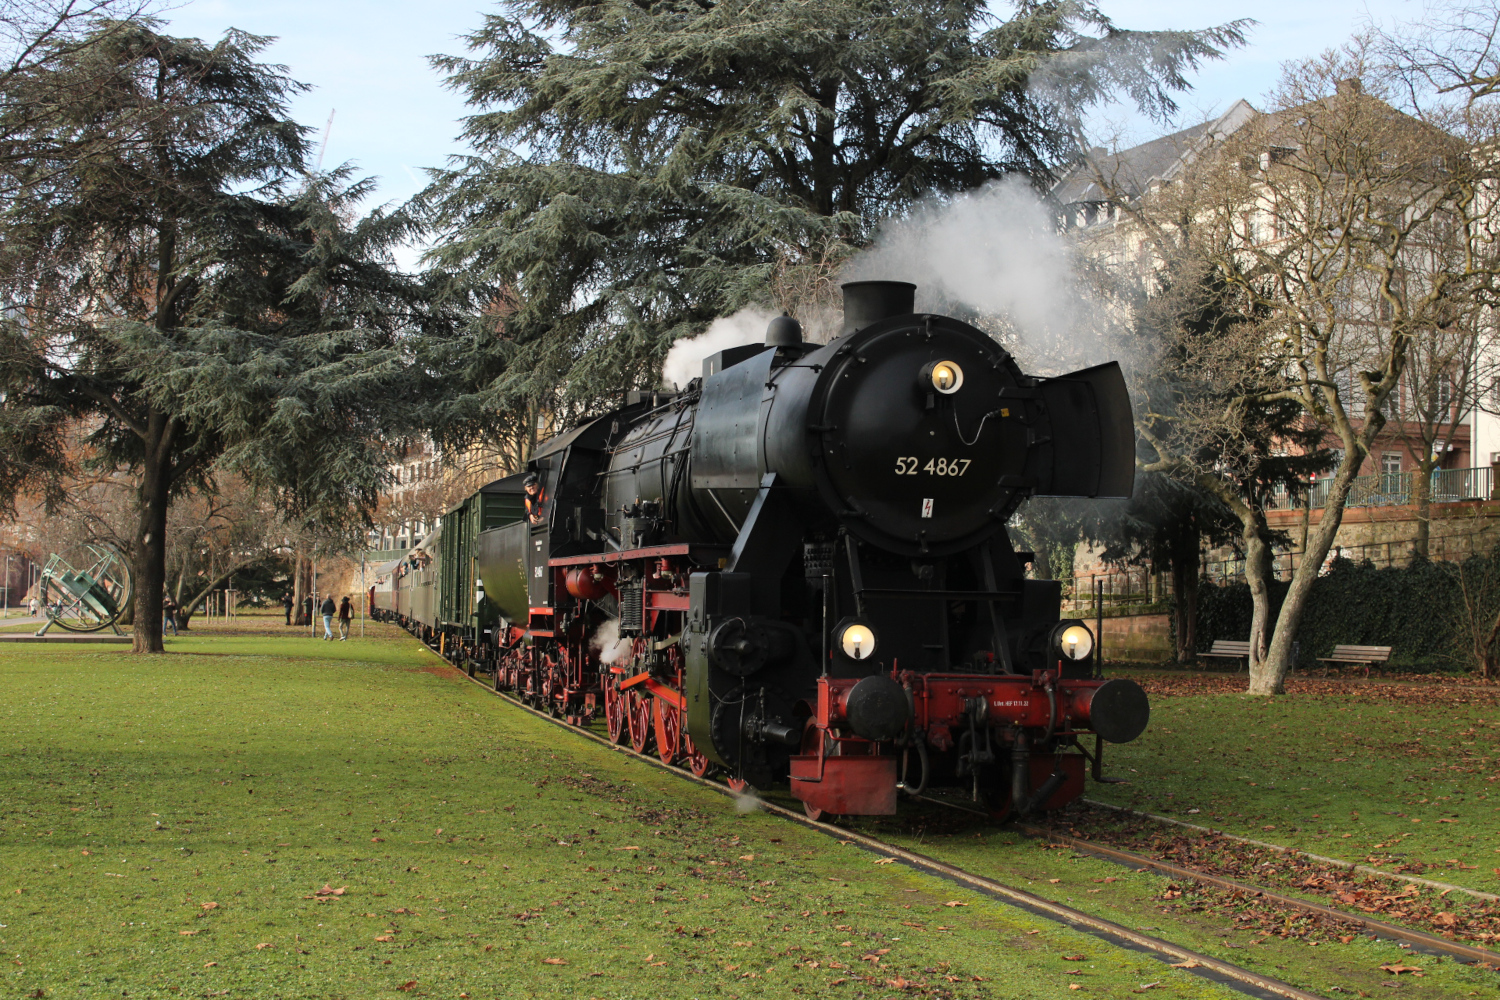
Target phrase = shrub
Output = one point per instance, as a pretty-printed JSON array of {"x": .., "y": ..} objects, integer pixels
[{"x": 1416, "y": 610}]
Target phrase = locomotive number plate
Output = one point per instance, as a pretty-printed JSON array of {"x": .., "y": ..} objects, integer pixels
[{"x": 910, "y": 466}]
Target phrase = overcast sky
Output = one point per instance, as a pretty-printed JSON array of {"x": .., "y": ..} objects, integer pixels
[{"x": 368, "y": 60}]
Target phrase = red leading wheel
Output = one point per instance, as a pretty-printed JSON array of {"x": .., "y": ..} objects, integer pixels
[
  {"x": 615, "y": 715},
  {"x": 668, "y": 730},
  {"x": 638, "y": 708}
]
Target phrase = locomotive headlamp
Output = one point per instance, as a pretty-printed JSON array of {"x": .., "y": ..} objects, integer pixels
[
  {"x": 944, "y": 376},
  {"x": 857, "y": 640},
  {"x": 1072, "y": 640}
]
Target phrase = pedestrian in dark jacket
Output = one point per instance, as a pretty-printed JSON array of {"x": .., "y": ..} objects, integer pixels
[
  {"x": 287, "y": 603},
  {"x": 307, "y": 610},
  {"x": 346, "y": 613},
  {"x": 326, "y": 610},
  {"x": 168, "y": 615}
]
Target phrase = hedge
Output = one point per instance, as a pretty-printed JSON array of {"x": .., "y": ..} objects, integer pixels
[{"x": 1415, "y": 610}]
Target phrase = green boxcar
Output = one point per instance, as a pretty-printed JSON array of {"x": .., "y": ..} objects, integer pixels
[{"x": 497, "y": 504}]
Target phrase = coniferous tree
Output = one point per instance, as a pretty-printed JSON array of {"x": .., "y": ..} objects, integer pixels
[
  {"x": 643, "y": 167},
  {"x": 186, "y": 298}
]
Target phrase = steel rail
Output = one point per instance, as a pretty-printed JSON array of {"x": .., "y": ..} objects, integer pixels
[
  {"x": 1280, "y": 849},
  {"x": 1206, "y": 967},
  {"x": 1428, "y": 942}
]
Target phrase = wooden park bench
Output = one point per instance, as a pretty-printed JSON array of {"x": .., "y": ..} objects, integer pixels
[
  {"x": 1361, "y": 656},
  {"x": 1228, "y": 649}
]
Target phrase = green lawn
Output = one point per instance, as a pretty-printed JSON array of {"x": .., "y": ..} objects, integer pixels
[
  {"x": 167, "y": 824},
  {"x": 1401, "y": 774}
]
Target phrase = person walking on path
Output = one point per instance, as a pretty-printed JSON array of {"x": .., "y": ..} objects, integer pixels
[
  {"x": 169, "y": 614},
  {"x": 307, "y": 608},
  {"x": 346, "y": 613},
  {"x": 326, "y": 610},
  {"x": 31, "y": 606},
  {"x": 286, "y": 602}
]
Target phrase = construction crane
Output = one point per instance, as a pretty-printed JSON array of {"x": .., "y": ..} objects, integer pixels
[{"x": 324, "y": 147}]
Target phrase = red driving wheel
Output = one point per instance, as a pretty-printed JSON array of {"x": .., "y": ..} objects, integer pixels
[
  {"x": 638, "y": 708},
  {"x": 668, "y": 730},
  {"x": 615, "y": 717}
]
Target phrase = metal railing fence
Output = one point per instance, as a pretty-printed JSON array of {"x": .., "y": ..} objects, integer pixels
[{"x": 1396, "y": 489}]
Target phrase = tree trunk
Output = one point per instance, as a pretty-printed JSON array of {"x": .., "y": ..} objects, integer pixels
[
  {"x": 1272, "y": 679},
  {"x": 151, "y": 542},
  {"x": 297, "y": 591},
  {"x": 1258, "y": 576},
  {"x": 1041, "y": 565},
  {"x": 1421, "y": 489},
  {"x": 204, "y": 593},
  {"x": 1185, "y": 568},
  {"x": 1489, "y": 664}
]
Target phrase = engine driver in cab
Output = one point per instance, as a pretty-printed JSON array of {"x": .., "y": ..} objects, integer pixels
[{"x": 536, "y": 500}]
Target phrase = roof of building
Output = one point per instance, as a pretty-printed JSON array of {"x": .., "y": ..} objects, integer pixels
[{"x": 1131, "y": 172}]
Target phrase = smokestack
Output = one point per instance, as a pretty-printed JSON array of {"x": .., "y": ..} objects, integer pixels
[{"x": 867, "y": 302}]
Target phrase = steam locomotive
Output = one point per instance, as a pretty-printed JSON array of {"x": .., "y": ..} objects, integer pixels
[{"x": 797, "y": 569}]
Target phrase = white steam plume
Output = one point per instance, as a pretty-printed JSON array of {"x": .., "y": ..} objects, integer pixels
[
  {"x": 996, "y": 255},
  {"x": 685, "y": 360},
  {"x": 609, "y": 644}
]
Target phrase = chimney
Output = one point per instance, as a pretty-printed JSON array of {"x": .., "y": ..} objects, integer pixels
[{"x": 867, "y": 302}]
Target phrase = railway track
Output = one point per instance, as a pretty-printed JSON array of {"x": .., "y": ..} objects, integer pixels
[
  {"x": 1427, "y": 943},
  {"x": 1293, "y": 852},
  {"x": 1244, "y": 981}
]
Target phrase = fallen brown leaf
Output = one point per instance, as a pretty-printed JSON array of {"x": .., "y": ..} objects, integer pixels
[
  {"x": 264, "y": 945},
  {"x": 554, "y": 961},
  {"x": 407, "y": 986},
  {"x": 1396, "y": 968},
  {"x": 954, "y": 902}
]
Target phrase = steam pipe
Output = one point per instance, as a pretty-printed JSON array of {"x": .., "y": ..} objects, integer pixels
[{"x": 1020, "y": 773}]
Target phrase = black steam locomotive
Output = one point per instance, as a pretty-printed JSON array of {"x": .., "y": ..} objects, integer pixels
[{"x": 797, "y": 568}]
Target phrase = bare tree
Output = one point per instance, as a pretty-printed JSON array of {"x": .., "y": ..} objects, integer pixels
[
  {"x": 217, "y": 532},
  {"x": 1341, "y": 236},
  {"x": 1476, "y": 617}
]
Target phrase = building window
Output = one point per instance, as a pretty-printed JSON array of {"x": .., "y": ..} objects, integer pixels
[{"x": 1390, "y": 463}]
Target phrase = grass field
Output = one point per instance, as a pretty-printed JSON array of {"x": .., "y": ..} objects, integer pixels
[
  {"x": 1399, "y": 774},
  {"x": 260, "y": 814}
]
